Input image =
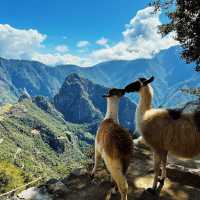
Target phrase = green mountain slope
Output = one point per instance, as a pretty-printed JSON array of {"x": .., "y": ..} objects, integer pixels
[{"x": 38, "y": 144}]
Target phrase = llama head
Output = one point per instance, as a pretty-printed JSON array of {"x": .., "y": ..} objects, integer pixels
[
  {"x": 114, "y": 92},
  {"x": 137, "y": 85}
]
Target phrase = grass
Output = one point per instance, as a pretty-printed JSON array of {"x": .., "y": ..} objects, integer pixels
[
  {"x": 54, "y": 151},
  {"x": 10, "y": 176}
]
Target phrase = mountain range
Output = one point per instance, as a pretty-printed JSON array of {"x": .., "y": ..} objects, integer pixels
[
  {"x": 55, "y": 111},
  {"x": 37, "y": 134},
  {"x": 170, "y": 72}
]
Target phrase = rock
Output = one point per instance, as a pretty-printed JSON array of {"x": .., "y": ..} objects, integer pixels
[
  {"x": 24, "y": 95},
  {"x": 34, "y": 193},
  {"x": 148, "y": 196},
  {"x": 52, "y": 181},
  {"x": 15, "y": 198},
  {"x": 45, "y": 104},
  {"x": 184, "y": 175},
  {"x": 57, "y": 187},
  {"x": 79, "y": 172}
]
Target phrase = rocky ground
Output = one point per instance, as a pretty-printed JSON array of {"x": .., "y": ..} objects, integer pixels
[{"x": 182, "y": 183}]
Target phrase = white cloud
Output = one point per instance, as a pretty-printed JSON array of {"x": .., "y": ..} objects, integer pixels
[
  {"x": 140, "y": 39},
  {"x": 19, "y": 43},
  {"x": 57, "y": 59},
  {"x": 102, "y": 42},
  {"x": 62, "y": 48},
  {"x": 83, "y": 43},
  {"x": 141, "y": 34},
  {"x": 28, "y": 44}
]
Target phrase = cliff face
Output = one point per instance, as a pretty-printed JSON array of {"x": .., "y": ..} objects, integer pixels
[
  {"x": 181, "y": 184},
  {"x": 80, "y": 101},
  {"x": 73, "y": 100}
]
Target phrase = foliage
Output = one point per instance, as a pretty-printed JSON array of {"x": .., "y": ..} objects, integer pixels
[
  {"x": 10, "y": 176},
  {"x": 184, "y": 19},
  {"x": 191, "y": 91},
  {"x": 38, "y": 144}
]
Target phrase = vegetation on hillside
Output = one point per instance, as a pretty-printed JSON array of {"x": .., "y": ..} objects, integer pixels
[
  {"x": 10, "y": 176},
  {"x": 35, "y": 144}
]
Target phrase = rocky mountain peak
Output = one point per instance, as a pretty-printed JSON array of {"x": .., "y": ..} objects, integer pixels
[
  {"x": 80, "y": 101},
  {"x": 73, "y": 77},
  {"x": 24, "y": 95}
]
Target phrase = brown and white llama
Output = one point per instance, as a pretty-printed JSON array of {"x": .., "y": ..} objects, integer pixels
[
  {"x": 114, "y": 144},
  {"x": 165, "y": 130}
]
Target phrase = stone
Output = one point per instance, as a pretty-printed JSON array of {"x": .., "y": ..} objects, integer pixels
[
  {"x": 34, "y": 193},
  {"x": 57, "y": 187}
]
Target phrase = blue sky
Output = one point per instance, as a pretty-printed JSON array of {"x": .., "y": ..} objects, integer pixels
[{"x": 82, "y": 32}]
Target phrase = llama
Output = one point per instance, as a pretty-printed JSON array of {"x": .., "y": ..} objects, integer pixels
[
  {"x": 114, "y": 144},
  {"x": 164, "y": 130}
]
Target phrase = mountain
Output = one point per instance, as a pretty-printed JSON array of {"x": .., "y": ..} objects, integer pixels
[
  {"x": 170, "y": 72},
  {"x": 81, "y": 101},
  {"x": 32, "y": 139},
  {"x": 35, "y": 136}
]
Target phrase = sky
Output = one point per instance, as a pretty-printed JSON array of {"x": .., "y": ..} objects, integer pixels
[{"x": 80, "y": 32}]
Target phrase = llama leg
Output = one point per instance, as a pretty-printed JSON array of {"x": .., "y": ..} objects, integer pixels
[
  {"x": 96, "y": 161},
  {"x": 163, "y": 171},
  {"x": 115, "y": 169},
  {"x": 115, "y": 188},
  {"x": 120, "y": 179},
  {"x": 157, "y": 161},
  {"x": 163, "y": 163},
  {"x": 121, "y": 183}
]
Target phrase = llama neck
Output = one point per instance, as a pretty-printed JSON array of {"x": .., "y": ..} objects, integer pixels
[
  {"x": 146, "y": 95},
  {"x": 112, "y": 109}
]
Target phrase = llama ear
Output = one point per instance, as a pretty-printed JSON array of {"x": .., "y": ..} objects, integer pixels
[{"x": 148, "y": 81}]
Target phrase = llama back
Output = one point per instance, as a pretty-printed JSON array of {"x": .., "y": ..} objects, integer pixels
[
  {"x": 116, "y": 142},
  {"x": 180, "y": 136}
]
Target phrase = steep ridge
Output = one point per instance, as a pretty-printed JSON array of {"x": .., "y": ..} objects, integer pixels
[
  {"x": 33, "y": 139},
  {"x": 80, "y": 101}
]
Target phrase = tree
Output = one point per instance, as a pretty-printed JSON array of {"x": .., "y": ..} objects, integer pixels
[
  {"x": 192, "y": 91},
  {"x": 184, "y": 20}
]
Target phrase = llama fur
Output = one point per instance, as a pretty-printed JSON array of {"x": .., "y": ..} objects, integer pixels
[
  {"x": 114, "y": 145},
  {"x": 164, "y": 133}
]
